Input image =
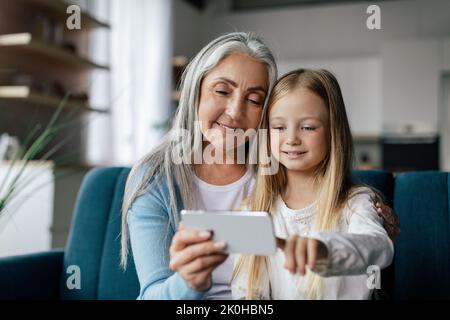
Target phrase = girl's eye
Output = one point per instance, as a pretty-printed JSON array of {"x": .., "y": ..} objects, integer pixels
[
  {"x": 278, "y": 128},
  {"x": 309, "y": 128}
]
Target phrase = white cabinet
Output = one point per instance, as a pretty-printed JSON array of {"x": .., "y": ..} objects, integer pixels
[{"x": 26, "y": 223}]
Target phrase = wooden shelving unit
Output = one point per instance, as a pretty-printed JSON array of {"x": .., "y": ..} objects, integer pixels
[
  {"x": 180, "y": 61},
  {"x": 26, "y": 94},
  {"x": 176, "y": 95},
  {"x": 35, "y": 49},
  {"x": 41, "y": 60},
  {"x": 58, "y": 8},
  {"x": 178, "y": 65}
]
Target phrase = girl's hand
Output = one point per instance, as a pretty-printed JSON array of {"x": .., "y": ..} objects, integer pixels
[
  {"x": 194, "y": 256},
  {"x": 390, "y": 220},
  {"x": 301, "y": 252}
]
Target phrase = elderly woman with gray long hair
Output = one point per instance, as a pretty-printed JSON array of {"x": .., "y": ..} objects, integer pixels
[{"x": 224, "y": 91}]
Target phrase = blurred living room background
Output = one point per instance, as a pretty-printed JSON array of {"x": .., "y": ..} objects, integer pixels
[{"x": 120, "y": 71}]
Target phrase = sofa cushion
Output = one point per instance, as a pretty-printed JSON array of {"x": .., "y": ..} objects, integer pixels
[
  {"x": 380, "y": 180},
  {"x": 94, "y": 240},
  {"x": 422, "y": 260}
]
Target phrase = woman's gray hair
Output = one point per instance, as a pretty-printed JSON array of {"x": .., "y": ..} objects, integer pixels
[{"x": 158, "y": 163}]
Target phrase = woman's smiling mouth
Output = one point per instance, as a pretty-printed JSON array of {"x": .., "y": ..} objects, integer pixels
[{"x": 227, "y": 129}]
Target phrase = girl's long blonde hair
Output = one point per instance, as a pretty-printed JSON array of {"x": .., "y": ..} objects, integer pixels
[{"x": 333, "y": 175}]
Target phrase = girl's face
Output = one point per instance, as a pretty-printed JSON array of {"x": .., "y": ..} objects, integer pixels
[
  {"x": 298, "y": 124},
  {"x": 232, "y": 97}
]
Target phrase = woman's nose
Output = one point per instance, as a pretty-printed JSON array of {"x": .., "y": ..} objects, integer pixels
[{"x": 235, "y": 108}]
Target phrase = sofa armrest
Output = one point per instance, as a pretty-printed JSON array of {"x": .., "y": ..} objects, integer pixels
[{"x": 31, "y": 276}]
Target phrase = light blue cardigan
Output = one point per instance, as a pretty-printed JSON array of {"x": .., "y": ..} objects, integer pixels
[{"x": 151, "y": 230}]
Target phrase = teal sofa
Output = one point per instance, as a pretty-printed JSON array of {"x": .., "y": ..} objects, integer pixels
[{"x": 421, "y": 268}]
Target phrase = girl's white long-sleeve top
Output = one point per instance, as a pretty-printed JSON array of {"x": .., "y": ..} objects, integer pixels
[{"x": 357, "y": 249}]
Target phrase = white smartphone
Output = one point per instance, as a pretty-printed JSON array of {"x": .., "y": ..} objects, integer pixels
[{"x": 245, "y": 232}]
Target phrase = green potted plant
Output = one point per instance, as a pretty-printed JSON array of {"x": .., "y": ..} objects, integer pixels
[{"x": 13, "y": 182}]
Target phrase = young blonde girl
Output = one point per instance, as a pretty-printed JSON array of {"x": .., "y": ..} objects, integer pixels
[{"x": 331, "y": 230}]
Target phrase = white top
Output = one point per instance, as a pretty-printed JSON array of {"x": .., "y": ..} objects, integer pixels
[
  {"x": 359, "y": 241},
  {"x": 226, "y": 197}
]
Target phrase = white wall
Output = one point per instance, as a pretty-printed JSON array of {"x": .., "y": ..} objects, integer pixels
[
  {"x": 411, "y": 75},
  {"x": 331, "y": 31},
  {"x": 360, "y": 81},
  {"x": 445, "y": 124},
  {"x": 445, "y": 104},
  {"x": 445, "y": 57}
]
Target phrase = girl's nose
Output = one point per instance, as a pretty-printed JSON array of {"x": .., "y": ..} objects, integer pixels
[
  {"x": 292, "y": 138},
  {"x": 293, "y": 142}
]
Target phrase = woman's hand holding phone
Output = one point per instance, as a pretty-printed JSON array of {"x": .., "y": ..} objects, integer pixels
[{"x": 194, "y": 256}]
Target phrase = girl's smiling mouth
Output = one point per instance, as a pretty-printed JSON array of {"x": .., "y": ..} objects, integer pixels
[{"x": 294, "y": 154}]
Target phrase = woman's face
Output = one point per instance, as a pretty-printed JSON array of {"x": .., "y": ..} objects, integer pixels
[
  {"x": 232, "y": 97},
  {"x": 298, "y": 125}
]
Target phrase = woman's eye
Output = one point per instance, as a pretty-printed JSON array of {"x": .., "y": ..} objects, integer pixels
[
  {"x": 255, "y": 102},
  {"x": 222, "y": 92}
]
